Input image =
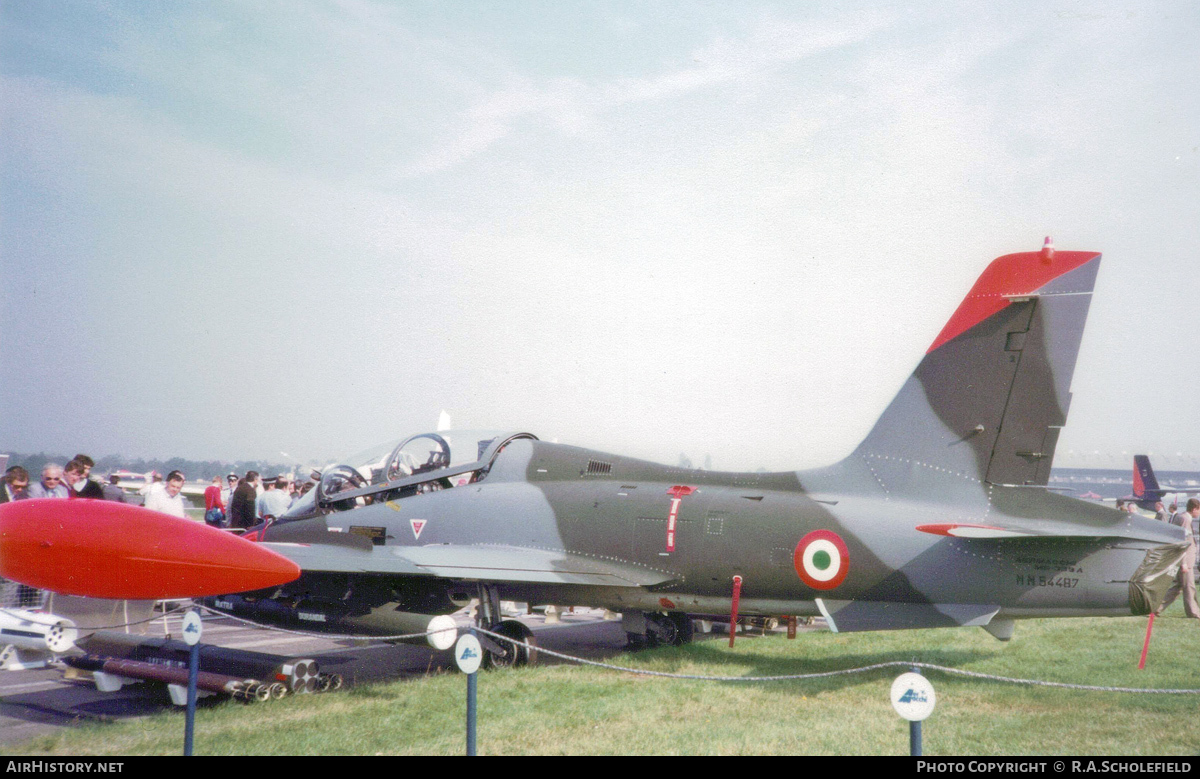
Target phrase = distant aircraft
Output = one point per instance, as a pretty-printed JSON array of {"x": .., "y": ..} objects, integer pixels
[
  {"x": 1146, "y": 488},
  {"x": 939, "y": 518},
  {"x": 1146, "y": 492},
  {"x": 138, "y": 483}
]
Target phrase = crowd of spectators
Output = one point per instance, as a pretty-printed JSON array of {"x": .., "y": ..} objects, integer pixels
[{"x": 240, "y": 504}]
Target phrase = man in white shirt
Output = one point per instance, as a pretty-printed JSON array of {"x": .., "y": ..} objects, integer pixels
[
  {"x": 275, "y": 500},
  {"x": 154, "y": 485},
  {"x": 168, "y": 500}
]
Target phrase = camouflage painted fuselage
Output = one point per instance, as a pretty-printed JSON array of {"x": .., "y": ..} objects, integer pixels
[
  {"x": 940, "y": 517},
  {"x": 601, "y": 540}
]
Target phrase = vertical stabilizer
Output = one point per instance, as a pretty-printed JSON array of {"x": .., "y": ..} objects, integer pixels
[
  {"x": 1145, "y": 483},
  {"x": 988, "y": 400}
]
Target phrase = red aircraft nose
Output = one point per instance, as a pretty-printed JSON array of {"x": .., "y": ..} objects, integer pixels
[{"x": 103, "y": 549}]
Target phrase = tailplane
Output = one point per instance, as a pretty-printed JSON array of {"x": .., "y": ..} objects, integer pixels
[{"x": 988, "y": 400}]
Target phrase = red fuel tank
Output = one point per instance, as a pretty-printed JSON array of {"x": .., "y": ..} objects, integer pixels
[{"x": 103, "y": 549}]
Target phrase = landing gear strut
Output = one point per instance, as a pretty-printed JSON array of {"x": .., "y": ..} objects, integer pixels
[{"x": 498, "y": 653}]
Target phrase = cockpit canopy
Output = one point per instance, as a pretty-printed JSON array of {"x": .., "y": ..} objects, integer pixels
[{"x": 421, "y": 463}]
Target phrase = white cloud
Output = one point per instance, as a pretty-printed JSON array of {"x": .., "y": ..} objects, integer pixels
[{"x": 572, "y": 104}]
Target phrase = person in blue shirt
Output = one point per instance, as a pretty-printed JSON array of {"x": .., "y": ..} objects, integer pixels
[{"x": 274, "y": 500}]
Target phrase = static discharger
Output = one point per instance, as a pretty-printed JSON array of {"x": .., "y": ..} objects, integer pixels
[{"x": 102, "y": 549}]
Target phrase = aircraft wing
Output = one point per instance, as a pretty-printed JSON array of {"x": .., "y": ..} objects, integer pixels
[
  {"x": 456, "y": 561},
  {"x": 1180, "y": 489}
]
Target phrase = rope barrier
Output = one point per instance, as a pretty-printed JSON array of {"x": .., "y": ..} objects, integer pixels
[
  {"x": 844, "y": 672},
  {"x": 694, "y": 677}
]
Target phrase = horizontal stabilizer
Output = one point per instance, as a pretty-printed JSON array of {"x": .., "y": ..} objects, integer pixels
[
  {"x": 1125, "y": 528},
  {"x": 974, "y": 531},
  {"x": 858, "y": 616},
  {"x": 483, "y": 563}
]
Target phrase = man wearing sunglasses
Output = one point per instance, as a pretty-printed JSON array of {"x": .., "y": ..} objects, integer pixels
[
  {"x": 51, "y": 485},
  {"x": 16, "y": 484}
]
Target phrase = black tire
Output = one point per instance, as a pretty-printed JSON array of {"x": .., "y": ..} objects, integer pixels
[
  {"x": 671, "y": 629},
  {"x": 517, "y": 655},
  {"x": 663, "y": 630},
  {"x": 685, "y": 629}
]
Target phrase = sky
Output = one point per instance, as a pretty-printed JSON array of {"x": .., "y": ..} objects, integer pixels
[{"x": 230, "y": 229}]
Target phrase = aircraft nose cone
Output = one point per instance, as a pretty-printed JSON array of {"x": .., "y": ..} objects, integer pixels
[{"x": 103, "y": 549}]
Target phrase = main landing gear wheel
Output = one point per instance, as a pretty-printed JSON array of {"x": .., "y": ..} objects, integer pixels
[
  {"x": 686, "y": 629},
  {"x": 514, "y": 655},
  {"x": 671, "y": 629}
]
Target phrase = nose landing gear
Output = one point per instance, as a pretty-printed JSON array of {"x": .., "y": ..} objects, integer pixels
[{"x": 498, "y": 653}]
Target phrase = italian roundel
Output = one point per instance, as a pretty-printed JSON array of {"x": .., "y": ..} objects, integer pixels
[{"x": 822, "y": 560}]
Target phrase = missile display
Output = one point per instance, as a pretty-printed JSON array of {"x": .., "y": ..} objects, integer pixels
[
  {"x": 241, "y": 689},
  {"x": 29, "y": 639},
  {"x": 37, "y": 631},
  {"x": 300, "y": 675}
]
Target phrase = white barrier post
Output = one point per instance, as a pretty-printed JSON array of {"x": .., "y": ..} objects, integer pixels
[{"x": 913, "y": 699}]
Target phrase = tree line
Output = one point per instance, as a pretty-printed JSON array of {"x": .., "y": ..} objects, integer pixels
[{"x": 192, "y": 469}]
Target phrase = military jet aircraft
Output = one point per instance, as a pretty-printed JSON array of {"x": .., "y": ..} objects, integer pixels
[{"x": 941, "y": 517}]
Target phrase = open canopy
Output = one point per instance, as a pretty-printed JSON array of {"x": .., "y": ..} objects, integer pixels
[{"x": 419, "y": 463}]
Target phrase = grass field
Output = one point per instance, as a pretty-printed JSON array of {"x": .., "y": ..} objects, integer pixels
[{"x": 563, "y": 709}]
